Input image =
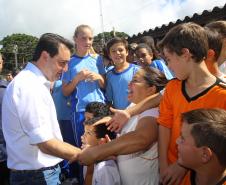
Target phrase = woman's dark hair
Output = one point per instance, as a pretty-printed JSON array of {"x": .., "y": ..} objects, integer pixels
[{"x": 153, "y": 77}]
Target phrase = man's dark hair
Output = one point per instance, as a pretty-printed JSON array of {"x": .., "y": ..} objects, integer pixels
[
  {"x": 186, "y": 35},
  {"x": 153, "y": 77},
  {"x": 50, "y": 43},
  {"x": 100, "y": 129},
  {"x": 209, "y": 129}
]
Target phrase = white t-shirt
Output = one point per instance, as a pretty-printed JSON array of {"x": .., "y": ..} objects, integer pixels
[
  {"x": 28, "y": 118},
  {"x": 140, "y": 167},
  {"x": 106, "y": 173}
]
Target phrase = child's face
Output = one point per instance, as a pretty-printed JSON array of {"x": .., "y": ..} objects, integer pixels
[
  {"x": 177, "y": 64},
  {"x": 84, "y": 39},
  {"x": 188, "y": 154},
  {"x": 118, "y": 54},
  {"x": 143, "y": 55},
  {"x": 89, "y": 136}
]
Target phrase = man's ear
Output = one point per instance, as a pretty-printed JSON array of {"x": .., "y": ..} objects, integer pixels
[
  {"x": 45, "y": 55},
  {"x": 206, "y": 154}
]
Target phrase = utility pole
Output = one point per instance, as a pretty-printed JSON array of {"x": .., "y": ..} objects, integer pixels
[
  {"x": 15, "y": 51},
  {"x": 102, "y": 23},
  {"x": 114, "y": 33}
]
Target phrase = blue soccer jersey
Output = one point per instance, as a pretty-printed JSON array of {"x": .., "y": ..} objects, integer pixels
[
  {"x": 161, "y": 66},
  {"x": 85, "y": 91},
  {"x": 117, "y": 86}
]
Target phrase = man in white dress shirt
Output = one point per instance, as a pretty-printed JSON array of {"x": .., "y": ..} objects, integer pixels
[{"x": 33, "y": 139}]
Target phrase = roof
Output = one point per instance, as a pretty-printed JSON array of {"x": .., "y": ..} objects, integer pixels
[{"x": 217, "y": 13}]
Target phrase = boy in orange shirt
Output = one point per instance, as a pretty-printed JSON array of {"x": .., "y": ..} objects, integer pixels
[
  {"x": 185, "y": 49},
  {"x": 201, "y": 146}
]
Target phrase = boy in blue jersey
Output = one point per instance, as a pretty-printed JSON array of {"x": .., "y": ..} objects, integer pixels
[{"x": 119, "y": 77}]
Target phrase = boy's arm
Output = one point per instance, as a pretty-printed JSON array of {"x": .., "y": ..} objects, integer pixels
[
  {"x": 89, "y": 175},
  {"x": 121, "y": 117},
  {"x": 163, "y": 144}
]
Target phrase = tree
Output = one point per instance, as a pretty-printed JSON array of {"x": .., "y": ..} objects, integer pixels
[
  {"x": 17, "y": 46},
  {"x": 98, "y": 42}
]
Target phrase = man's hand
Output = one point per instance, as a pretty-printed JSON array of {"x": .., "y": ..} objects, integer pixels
[
  {"x": 173, "y": 174},
  {"x": 119, "y": 119}
]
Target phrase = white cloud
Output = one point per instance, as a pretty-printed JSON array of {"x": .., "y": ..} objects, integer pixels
[{"x": 35, "y": 17}]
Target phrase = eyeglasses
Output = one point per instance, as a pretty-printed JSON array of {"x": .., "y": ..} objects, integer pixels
[{"x": 135, "y": 81}]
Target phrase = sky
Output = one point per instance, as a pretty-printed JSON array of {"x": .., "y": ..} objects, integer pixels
[{"x": 35, "y": 17}]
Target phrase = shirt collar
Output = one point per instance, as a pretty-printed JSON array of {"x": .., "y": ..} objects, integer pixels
[{"x": 30, "y": 66}]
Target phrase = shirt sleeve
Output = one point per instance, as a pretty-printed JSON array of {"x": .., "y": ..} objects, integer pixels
[
  {"x": 36, "y": 119},
  {"x": 154, "y": 112},
  {"x": 166, "y": 108}
]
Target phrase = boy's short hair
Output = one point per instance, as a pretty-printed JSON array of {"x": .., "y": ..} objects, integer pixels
[
  {"x": 187, "y": 35},
  {"x": 100, "y": 129},
  {"x": 98, "y": 109},
  {"x": 219, "y": 26},
  {"x": 214, "y": 41},
  {"x": 116, "y": 40},
  {"x": 209, "y": 129}
]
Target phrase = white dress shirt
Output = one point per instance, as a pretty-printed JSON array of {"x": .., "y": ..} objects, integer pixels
[{"x": 28, "y": 118}]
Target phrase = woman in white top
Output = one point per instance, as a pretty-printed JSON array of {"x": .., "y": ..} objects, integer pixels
[
  {"x": 142, "y": 167},
  {"x": 138, "y": 138}
]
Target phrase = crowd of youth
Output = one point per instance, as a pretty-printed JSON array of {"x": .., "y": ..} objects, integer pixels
[{"x": 132, "y": 115}]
